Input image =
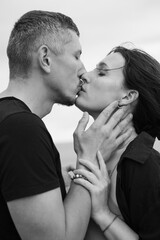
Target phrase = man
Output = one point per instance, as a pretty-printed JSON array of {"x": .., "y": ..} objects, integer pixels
[{"x": 45, "y": 68}]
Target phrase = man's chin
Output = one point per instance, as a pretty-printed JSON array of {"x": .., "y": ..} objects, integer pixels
[{"x": 67, "y": 102}]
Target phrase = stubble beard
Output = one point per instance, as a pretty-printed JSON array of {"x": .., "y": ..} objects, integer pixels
[{"x": 66, "y": 101}]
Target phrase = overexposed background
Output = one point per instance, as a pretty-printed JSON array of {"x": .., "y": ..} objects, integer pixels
[{"x": 103, "y": 24}]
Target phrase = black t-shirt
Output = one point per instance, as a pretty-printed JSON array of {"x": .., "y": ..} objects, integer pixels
[
  {"x": 29, "y": 161},
  {"x": 138, "y": 187}
]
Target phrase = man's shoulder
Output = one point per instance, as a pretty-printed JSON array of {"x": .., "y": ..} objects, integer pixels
[{"x": 16, "y": 111}]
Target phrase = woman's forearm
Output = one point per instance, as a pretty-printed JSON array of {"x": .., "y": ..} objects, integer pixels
[{"x": 114, "y": 228}]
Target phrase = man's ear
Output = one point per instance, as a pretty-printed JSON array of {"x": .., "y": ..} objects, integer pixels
[
  {"x": 44, "y": 58},
  {"x": 130, "y": 97}
]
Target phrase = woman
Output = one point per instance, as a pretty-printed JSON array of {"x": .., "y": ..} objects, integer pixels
[{"x": 126, "y": 198}]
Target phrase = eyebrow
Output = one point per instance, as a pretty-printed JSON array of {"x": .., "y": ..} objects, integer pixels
[{"x": 102, "y": 65}]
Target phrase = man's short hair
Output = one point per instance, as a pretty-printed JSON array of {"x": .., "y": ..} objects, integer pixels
[{"x": 32, "y": 30}]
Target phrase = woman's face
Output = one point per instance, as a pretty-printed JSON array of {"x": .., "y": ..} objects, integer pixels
[{"x": 103, "y": 85}]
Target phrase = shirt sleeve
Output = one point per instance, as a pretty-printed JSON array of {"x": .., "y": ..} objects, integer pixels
[
  {"x": 142, "y": 191},
  {"x": 28, "y": 160}
]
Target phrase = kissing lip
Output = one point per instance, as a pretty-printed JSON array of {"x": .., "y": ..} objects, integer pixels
[
  {"x": 79, "y": 90},
  {"x": 82, "y": 89}
]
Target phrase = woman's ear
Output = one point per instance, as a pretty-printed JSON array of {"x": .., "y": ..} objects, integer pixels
[
  {"x": 130, "y": 97},
  {"x": 44, "y": 58}
]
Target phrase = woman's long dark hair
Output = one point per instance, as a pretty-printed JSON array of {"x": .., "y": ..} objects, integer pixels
[{"x": 142, "y": 73}]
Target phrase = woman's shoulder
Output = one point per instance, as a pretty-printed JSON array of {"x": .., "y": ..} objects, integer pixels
[{"x": 140, "y": 162}]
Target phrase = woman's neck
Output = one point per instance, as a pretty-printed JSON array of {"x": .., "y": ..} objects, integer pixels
[{"x": 115, "y": 157}]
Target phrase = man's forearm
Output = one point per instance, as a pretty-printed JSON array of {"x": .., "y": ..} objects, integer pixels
[{"x": 77, "y": 206}]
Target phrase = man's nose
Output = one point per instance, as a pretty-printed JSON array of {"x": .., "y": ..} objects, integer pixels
[{"x": 85, "y": 77}]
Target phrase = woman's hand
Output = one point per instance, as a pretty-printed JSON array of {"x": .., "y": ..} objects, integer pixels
[
  {"x": 106, "y": 132},
  {"x": 97, "y": 183}
]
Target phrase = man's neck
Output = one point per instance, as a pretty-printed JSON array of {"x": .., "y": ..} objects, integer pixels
[{"x": 32, "y": 94}]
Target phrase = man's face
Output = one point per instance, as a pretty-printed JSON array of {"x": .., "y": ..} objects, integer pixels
[
  {"x": 102, "y": 86},
  {"x": 66, "y": 71}
]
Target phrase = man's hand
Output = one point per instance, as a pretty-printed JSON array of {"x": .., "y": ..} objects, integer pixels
[{"x": 104, "y": 128}]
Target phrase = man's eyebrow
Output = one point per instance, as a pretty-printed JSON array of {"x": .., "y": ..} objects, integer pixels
[{"x": 102, "y": 65}]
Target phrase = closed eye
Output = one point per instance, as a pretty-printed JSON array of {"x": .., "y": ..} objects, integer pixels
[
  {"x": 77, "y": 54},
  {"x": 101, "y": 72}
]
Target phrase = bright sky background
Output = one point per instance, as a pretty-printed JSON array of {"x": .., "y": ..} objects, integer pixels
[{"x": 103, "y": 24}]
